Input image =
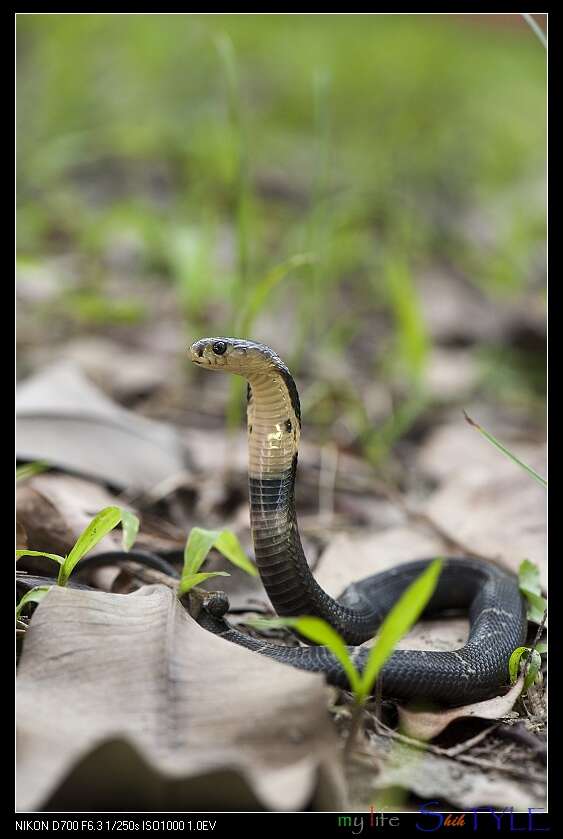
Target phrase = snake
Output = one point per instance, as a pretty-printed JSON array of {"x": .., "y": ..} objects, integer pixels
[{"x": 486, "y": 592}]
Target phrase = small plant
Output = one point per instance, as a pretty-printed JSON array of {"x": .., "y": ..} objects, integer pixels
[
  {"x": 531, "y": 659},
  {"x": 398, "y": 622},
  {"x": 199, "y": 544},
  {"x": 100, "y": 526},
  {"x": 529, "y": 583}
]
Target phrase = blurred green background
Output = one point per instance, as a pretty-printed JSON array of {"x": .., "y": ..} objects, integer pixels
[{"x": 301, "y": 180}]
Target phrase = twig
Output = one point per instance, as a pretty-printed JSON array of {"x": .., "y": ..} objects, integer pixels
[{"x": 462, "y": 758}]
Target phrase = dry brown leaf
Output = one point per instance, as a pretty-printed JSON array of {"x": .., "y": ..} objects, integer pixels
[
  {"x": 434, "y": 777},
  {"x": 66, "y": 421},
  {"x": 350, "y": 558},
  {"x": 120, "y": 370},
  {"x": 424, "y": 725},
  {"x": 190, "y": 713},
  {"x": 485, "y": 501},
  {"x": 55, "y": 509}
]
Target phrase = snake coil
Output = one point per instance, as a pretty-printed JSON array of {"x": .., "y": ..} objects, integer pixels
[{"x": 491, "y": 596}]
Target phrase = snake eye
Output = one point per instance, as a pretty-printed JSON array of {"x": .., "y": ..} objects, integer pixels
[{"x": 219, "y": 347}]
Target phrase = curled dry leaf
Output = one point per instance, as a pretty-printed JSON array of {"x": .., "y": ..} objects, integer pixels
[
  {"x": 424, "y": 725},
  {"x": 66, "y": 421},
  {"x": 185, "y": 716},
  {"x": 55, "y": 509}
]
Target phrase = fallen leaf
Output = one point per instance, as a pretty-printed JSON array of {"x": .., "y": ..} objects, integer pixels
[
  {"x": 455, "y": 309},
  {"x": 177, "y": 709},
  {"x": 431, "y": 777},
  {"x": 66, "y": 421},
  {"x": 55, "y": 509},
  {"x": 123, "y": 371},
  {"x": 485, "y": 501},
  {"x": 424, "y": 725},
  {"x": 351, "y": 558}
]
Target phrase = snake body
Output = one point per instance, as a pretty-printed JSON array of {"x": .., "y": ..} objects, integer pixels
[{"x": 491, "y": 596}]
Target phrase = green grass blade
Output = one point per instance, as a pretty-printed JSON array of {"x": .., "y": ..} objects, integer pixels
[
  {"x": 400, "y": 619},
  {"x": 130, "y": 526},
  {"x": 506, "y": 451},
  {"x": 412, "y": 336},
  {"x": 199, "y": 544},
  {"x": 190, "y": 580},
  {"x": 261, "y": 292},
  {"x": 228, "y": 544},
  {"x": 27, "y": 470},
  {"x": 257, "y": 298},
  {"x": 56, "y": 557},
  {"x": 320, "y": 632},
  {"x": 100, "y": 526},
  {"x": 34, "y": 595}
]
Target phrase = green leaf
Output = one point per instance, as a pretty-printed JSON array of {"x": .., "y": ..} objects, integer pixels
[
  {"x": 529, "y": 583},
  {"x": 320, "y": 632},
  {"x": 542, "y": 648},
  {"x": 100, "y": 526},
  {"x": 200, "y": 542},
  {"x": 400, "y": 619},
  {"x": 506, "y": 451},
  {"x": 130, "y": 526},
  {"x": 34, "y": 595},
  {"x": 56, "y": 557},
  {"x": 228, "y": 544},
  {"x": 188, "y": 581},
  {"x": 27, "y": 470},
  {"x": 533, "y": 669},
  {"x": 529, "y": 577},
  {"x": 536, "y": 607}
]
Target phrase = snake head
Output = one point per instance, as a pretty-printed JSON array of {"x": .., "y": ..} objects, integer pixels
[{"x": 233, "y": 355}]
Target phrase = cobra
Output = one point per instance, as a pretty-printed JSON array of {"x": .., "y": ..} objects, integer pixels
[{"x": 490, "y": 595}]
